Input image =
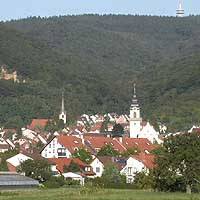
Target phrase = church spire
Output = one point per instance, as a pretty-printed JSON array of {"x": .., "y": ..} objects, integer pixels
[
  {"x": 63, "y": 104},
  {"x": 62, "y": 115}
]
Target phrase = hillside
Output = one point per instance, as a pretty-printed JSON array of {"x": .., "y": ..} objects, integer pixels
[{"x": 96, "y": 59}]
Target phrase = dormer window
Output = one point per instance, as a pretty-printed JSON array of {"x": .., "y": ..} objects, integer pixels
[
  {"x": 87, "y": 169},
  {"x": 76, "y": 142},
  {"x": 75, "y": 149}
]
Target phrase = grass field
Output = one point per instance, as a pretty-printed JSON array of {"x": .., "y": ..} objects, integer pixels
[{"x": 85, "y": 194}]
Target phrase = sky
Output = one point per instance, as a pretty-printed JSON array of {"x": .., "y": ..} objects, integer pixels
[{"x": 16, "y": 9}]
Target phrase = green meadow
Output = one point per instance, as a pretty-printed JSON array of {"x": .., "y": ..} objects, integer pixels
[{"x": 87, "y": 194}]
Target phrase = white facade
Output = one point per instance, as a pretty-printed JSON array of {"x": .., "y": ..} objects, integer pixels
[
  {"x": 18, "y": 159},
  {"x": 150, "y": 133},
  {"x": 32, "y": 135},
  {"x": 97, "y": 167},
  {"x": 136, "y": 128},
  {"x": 55, "y": 150},
  {"x": 132, "y": 167},
  {"x": 135, "y": 118}
]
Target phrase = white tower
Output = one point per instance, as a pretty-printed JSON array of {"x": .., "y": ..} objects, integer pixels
[
  {"x": 62, "y": 114},
  {"x": 135, "y": 119},
  {"x": 180, "y": 10}
]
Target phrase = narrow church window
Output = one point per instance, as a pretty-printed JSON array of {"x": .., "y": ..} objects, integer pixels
[{"x": 134, "y": 114}]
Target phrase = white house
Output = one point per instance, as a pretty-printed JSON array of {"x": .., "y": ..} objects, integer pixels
[
  {"x": 16, "y": 161},
  {"x": 136, "y": 164},
  {"x": 132, "y": 167},
  {"x": 32, "y": 135},
  {"x": 97, "y": 167},
  {"x": 61, "y": 146},
  {"x": 150, "y": 133}
]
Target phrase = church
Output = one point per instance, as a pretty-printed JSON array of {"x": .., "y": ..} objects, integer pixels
[{"x": 138, "y": 128}]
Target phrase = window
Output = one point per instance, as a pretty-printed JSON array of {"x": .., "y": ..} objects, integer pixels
[
  {"x": 49, "y": 145},
  {"x": 61, "y": 152},
  {"x": 87, "y": 169},
  {"x": 134, "y": 115},
  {"x": 129, "y": 180},
  {"x": 97, "y": 169},
  {"x": 129, "y": 170}
]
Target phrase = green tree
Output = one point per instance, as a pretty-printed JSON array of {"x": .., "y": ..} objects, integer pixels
[
  {"x": 179, "y": 163},
  {"x": 36, "y": 169},
  {"x": 111, "y": 175},
  {"x": 118, "y": 130},
  {"x": 144, "y": 180},
  {"x": 73, "y": 167},
  {"x": 83, "y": 155},
  {"x": 107, "y": 150},
  {"x": 130, "y": 151}
]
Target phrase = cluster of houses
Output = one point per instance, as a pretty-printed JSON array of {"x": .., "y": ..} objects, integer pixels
[{"x": 58, "y": 147}]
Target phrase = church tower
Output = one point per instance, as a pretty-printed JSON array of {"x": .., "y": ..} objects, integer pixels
[
  {"x": 62, "y": 115},
  {"x": 180, "y": 10},
  {"x": 135, "y": 119}
]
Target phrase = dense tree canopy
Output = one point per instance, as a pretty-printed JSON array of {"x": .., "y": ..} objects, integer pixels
[
  {"x": 96, "y": 59},
  {"x": 178, "y": 163}
]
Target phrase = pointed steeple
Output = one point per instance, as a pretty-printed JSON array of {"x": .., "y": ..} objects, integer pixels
[
  {"x": 63, "y": 104},
  {"x": 62, "y": 114}
]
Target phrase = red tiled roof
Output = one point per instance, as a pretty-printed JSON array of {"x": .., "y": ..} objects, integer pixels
[
  {"x": 141, "y": 143},
  {"x": 96, "y": 127},
  {"x": 99, "y": 142},
  {"x": 147, "y": 159},
  {"x": 70, "y": 142},
  {"x": 197, "y": 130},
  {"x": 61, "y": 162},
  {"x": 38, "y": 123},
  {"x": 107, "y": 160}
]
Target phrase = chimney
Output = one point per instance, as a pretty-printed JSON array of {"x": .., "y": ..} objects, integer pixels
[{"x": 121, "y": 140}]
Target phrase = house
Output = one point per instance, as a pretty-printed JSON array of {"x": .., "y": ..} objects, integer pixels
[
  {"x": 148, "y": 131},
  {"x": 5, "y": 145},
  {"x": 14, "y": 162},
  {"x": 138, "y": 163},
  {"x": 30, "y": 134},
  {"x": 62, "y": 146},
  {"x": 100, "y": 162},
  {"x": 142, "y": 144},
  {"x": 58, "y": 166},
  {"x": 10, "y": 180},
  {"x": 97, "y": 167},
  {"x": 75, "y": 176},
  {"x": 94, "y": 144},
  {"x": 38, "y": 124}
]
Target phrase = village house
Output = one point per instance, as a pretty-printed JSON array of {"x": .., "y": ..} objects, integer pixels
[
  {"x": 62, "y": 146},
  {"x": 138, "y": 163},
  {"x": 97, "y": 166},
  {"x": 14, "y": 162}
]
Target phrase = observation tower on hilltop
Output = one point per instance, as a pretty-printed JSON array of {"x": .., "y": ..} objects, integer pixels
[{"x": 180, "y": 10}]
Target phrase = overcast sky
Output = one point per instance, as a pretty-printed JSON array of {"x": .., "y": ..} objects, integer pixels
[{"x": 15, "y": 9}]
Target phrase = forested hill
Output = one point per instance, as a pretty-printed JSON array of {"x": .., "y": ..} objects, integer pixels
[{"x": 96, "y": 59}]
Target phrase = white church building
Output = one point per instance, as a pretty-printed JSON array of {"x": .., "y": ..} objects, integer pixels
[{"x": 138, "y": 129}]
